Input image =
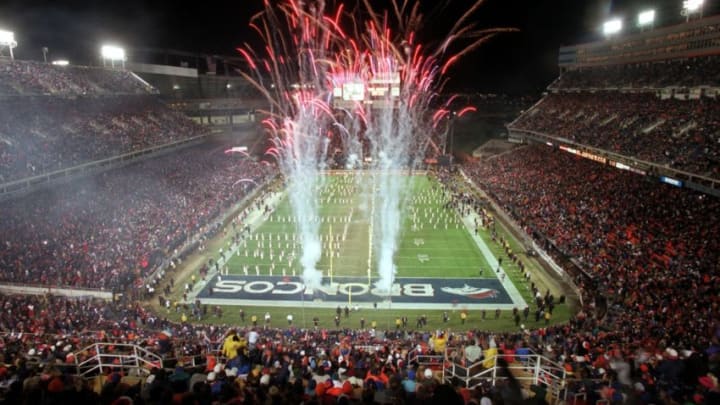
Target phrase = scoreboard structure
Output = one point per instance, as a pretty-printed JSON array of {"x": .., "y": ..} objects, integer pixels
[{"x": 379, "y": 92}]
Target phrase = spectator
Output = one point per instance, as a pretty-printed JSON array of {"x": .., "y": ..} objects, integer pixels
[
  {"x": 682, "y": 134},
  {"x": 111, "y": 230}
]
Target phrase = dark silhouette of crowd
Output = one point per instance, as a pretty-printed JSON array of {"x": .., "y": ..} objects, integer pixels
[
  {"x": 109, "y": 230},
  {"x": 682, "y": 134}
]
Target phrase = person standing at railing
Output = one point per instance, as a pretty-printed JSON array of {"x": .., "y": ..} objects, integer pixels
[
  {"x": 522, "y": 351},
  {"x": 439, "y": 342},
  {"x": 489, "y": 354},
  {"x": 473, "y": 352},
  {"x": 232, "y": 345}
]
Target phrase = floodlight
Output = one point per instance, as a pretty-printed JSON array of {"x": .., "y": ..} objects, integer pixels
[
  {"x": 692, "y": 6},
  {"x": 646, "y": 18},
  {"x": 7, "y": 39},
  {"x": 112, "y": 52},
  {"x": 612, "y": 27},
  {"x": 60, "y": 62}
]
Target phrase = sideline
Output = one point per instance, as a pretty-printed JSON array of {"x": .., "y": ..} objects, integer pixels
[
  {"x": 509, "y": 286},
  {"x": 254, "y": 219},
  {"x": 558, "y": 284}
]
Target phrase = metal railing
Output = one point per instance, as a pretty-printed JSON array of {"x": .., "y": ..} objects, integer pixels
[
  {"x": 529, "y": 370},
  {"x": 129, "y": 358}
]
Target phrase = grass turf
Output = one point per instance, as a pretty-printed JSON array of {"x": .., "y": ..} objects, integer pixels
[
  {"x": 433, "y": 243},
  {"x": 429, "y": 227}
]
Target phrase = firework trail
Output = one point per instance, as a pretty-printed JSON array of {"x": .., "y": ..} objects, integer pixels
[
  {"x": 291, "y": 72},
  {"x": 308, "y": 61},
  {"x": 401, "y": 131}
]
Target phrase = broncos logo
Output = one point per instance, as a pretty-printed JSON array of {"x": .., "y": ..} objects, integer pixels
[{"x": 472, "y": 292}]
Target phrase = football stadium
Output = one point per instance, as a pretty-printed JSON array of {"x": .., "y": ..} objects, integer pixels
[{"x": 318, "y": 216}]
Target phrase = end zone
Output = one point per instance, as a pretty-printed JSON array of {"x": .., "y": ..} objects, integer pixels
[{"x": 407, "y": 293}]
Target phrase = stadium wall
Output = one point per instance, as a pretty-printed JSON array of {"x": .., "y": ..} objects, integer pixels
[
  {"x": 162, "y": 70},
  {"x": 65, "y": 292}
]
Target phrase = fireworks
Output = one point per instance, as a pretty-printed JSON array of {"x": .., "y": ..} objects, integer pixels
[{"x": 356, "y": 81}]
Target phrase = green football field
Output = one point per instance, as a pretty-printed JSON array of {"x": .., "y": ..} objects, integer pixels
[
  {"x": 433, "y": 244},
  {"x": 433, "y": 241}
]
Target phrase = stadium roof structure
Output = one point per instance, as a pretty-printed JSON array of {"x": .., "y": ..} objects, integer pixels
[
  {"x": 686, "y": 40},
  {"x": 204, "y": 63}
]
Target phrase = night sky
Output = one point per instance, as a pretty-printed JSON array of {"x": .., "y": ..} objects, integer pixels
[{"x": 520, "y": 62}]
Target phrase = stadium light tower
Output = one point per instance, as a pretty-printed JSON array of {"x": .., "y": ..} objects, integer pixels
[
  {"x": 646, "y": 19},
  {"x": 692, "y": 7},
  {"x": 7, "y": 39},
  {"x": 612, "y": 27},
  {"x": 113, "y": 54}
]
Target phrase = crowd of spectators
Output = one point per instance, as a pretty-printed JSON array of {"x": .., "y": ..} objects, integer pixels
[
  {"x": 683, "y": 134},
  {"x": 227, "y": 364},
  {"x": 36, "y": 78},
  {"x": 652, "y": 249},
  {"x": 209, "y": 364},
  {"x": 43, "y": 134},
  {"x": 693, "y": 72},
  {"x": 108, "y": 230}
]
